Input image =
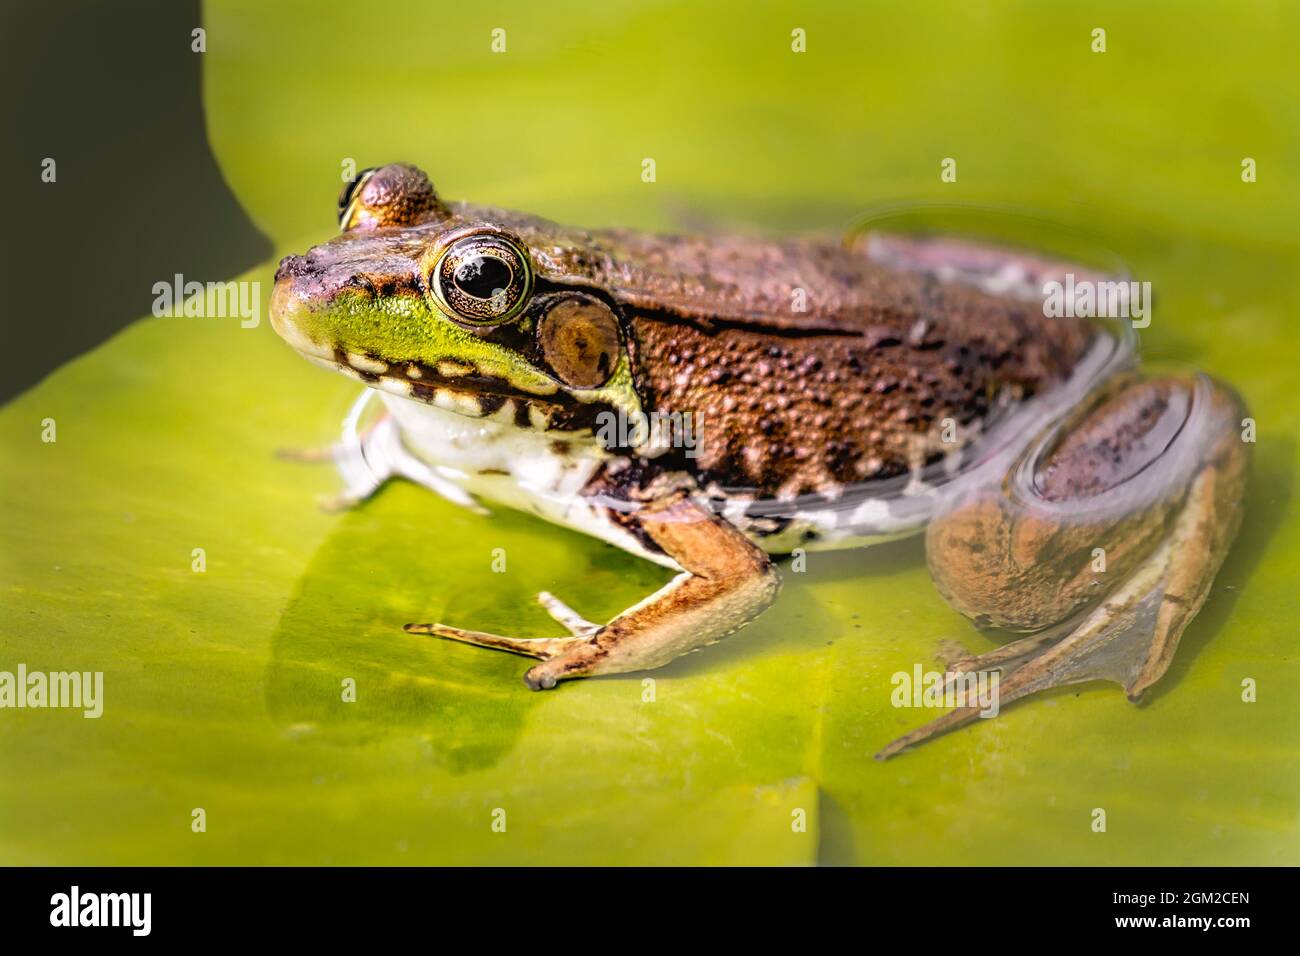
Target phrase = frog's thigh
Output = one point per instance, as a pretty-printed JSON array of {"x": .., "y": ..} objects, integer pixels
[
  {"x": 726, "y": 582},
  {"x": 1107, "y": 545}
]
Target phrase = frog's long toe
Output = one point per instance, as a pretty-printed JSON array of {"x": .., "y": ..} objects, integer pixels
[
  {"x": 1117, "y": 529},
  {"x": 541, "y": 647}
]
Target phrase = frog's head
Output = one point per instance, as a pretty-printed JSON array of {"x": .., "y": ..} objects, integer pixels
[{"x": 445, "y": 305}]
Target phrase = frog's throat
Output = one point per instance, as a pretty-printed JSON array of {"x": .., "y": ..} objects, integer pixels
[{"x": 456, "y": 387}]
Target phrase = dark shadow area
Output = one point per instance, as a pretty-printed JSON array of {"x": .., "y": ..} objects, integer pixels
[
  {"x": 835, "y": 843},
  {"x": 111, "y": 93}
]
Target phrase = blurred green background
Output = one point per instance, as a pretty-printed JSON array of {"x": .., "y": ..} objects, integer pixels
[{"x": 223, "y": 688}]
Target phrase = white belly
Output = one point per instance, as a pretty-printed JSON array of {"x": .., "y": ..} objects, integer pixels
[{"x": 496, "y": 461}]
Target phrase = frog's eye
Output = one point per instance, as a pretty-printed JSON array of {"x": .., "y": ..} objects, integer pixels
[
  {"x": 483, "y": 279},
  {"x": 579, "y": 340}
]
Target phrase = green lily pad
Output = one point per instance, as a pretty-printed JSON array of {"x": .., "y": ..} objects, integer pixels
[{"x": 224, "y": 688}]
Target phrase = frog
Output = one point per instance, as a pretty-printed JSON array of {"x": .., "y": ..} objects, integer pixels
[{"x": 718, "y": 403}]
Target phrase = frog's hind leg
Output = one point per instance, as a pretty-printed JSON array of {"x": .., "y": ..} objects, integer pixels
[
  {"x": 1114, "y": 532},
  {"x": 369, "y": 456}
]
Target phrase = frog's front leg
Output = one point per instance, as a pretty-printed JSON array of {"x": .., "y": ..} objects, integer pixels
[
  {"x": 368, "y": 457},
  {"x": 1103, "y": 540},
  {"x": 726, "y": 582}
]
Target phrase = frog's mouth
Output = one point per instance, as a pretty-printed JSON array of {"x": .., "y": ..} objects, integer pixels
[{"x": 457, "y": 386}]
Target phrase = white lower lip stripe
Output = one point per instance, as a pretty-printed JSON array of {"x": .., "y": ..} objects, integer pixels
[{"x": 366, "y": 364}]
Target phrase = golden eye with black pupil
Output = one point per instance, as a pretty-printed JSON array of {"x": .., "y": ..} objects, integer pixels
[
  {"x": 349, "y": 193},
  {"x": 579, "y": 340},
  {"x": 483, "y": 279}
]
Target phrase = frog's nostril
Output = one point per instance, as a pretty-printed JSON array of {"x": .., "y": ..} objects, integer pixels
[{"x": 295, "y": 266}]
